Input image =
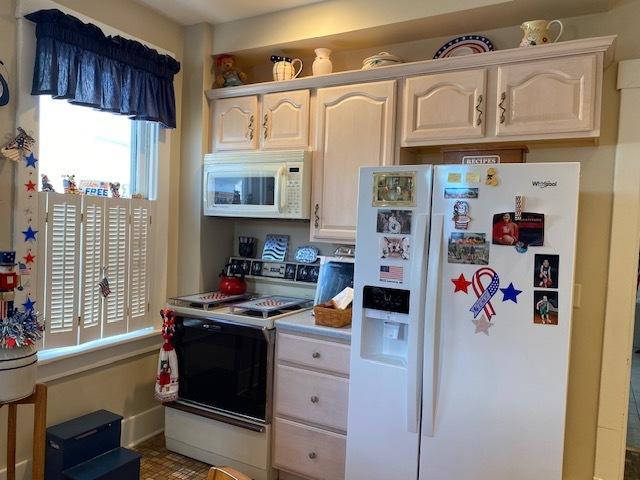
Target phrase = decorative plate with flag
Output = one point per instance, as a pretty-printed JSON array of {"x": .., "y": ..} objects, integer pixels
[{"x": 465, "y": 45}]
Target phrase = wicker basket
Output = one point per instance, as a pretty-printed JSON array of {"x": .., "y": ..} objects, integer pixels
[{"x": 332, "y": 317}]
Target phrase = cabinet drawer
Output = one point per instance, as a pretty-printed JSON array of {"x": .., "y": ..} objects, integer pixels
[
  {"x": 315, "y": 353},
  {"x": 309, "y": 451},
  {"x": 315, "y": 397}
]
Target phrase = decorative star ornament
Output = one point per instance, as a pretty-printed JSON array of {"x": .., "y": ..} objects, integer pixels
[
  {"x": 461, "y": 284},
  {"x": 31, "y": 160},
  {"x": 28, "y": 258},
  {"x": 29, "y": 304},
  {"x": 31, "y": 187},
  {"x": 29, "y": 234},
  {"x": 510, "y": 293},
  {"x": 482, "y": 325}
]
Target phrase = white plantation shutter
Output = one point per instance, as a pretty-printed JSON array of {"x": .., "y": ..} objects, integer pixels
[
  {"x": 91, "y": 262},
  {"x": 140, "y": 264},
  {"x": 116, "y": 251},
  {"x": 62, "y": 273}
]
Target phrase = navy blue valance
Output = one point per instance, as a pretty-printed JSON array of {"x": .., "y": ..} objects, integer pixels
[{"x": 78, "y": 62}]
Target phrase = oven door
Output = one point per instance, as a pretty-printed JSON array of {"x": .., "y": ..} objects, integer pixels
[
  {"x": 225, "y": 368},
  {"x": 249, "y": 190}
]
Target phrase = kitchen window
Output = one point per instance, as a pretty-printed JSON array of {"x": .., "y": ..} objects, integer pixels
[{"x": 96, "y": 251}]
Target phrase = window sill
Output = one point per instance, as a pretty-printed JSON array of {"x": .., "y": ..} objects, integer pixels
[{"x": 61, "y": 362}]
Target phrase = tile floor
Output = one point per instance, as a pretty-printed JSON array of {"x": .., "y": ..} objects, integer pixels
[{"x": 158, "y": 463}]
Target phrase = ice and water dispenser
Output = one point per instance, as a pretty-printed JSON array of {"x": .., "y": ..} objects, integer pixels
[{"x": 385, "y": 325}]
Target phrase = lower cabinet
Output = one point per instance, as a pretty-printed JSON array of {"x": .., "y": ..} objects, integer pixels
[{"x": 311, "y": 398}]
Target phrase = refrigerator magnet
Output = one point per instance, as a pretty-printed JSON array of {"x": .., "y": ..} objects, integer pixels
[
  {"x": 396, "y": 248},
  {"x": 468, "y": 248},
  {"x": 454, "y": 177},
  {"x": 461, "y": 284},
  {"x": 460, "y": 193},
  {"x": 472, "y": 177},
  {"x": 545, "y": 307},
  {"x": 510, "y": 293},
  {"x": 461, "y": 218},
  {"x": 394, "y": 189},
  {"x": 546, "y": 271},
  {"x": 529, "y": 230},
  {"x": 394, "y": 221},
  {"x": 521, "y": 247},
  {"x": 482, "y": 325},
  {"x": 391, "y": 274},
  {"x": 492, "y": 177}
]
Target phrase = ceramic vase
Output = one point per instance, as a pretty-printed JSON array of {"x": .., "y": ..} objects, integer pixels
[
  {"x": 322, "y": 64},
  {"x": 18, "y": 368}
]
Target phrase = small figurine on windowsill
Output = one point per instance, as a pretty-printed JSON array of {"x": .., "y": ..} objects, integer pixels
[
  {"x": 115, "y": 189},
  {"x": 227, "y": 74},
  {"x": 69, "y": 184},
  {"x": 46, "y": 184}
]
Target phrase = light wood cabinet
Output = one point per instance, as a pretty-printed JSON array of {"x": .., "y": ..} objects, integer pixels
[
  {"x": 355, "y": 128},
  {"x": 234, "y": 123},
  {"x": 285, "y": 120},
  {"x": 547, "y": 96},
  {"x": 311, "y": 401},
  {"x": 443, "y": 106}
]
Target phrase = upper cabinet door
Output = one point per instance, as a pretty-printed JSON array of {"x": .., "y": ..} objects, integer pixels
[
  {"x": 285, "y": 120},
  {"x": 355, "y": 128},
  {"x": 235, "y": 122},
  {"x": 547, "y": 96},
  {"x": 444, "y": 106}
]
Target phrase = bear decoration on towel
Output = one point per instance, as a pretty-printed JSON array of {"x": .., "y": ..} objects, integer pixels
[{"x": 167, "y": 379}]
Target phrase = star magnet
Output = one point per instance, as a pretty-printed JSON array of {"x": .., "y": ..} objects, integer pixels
[
  {"x": 482, "y": 325},
  {"x": 510, "y": 293},
  {"x": 461, "y": 284}
]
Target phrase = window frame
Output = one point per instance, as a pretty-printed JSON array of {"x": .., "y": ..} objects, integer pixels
[{"x": 27, "y": 116}]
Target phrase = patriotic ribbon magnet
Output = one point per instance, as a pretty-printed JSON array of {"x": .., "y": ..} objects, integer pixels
[{"x": 484, "y": 294}]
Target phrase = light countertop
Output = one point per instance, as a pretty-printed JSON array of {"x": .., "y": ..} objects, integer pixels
[{"x": 304, "y": 322}]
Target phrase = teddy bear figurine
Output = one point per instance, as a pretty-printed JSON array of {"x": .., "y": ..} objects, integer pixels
[{"x": 227, "y": 74}]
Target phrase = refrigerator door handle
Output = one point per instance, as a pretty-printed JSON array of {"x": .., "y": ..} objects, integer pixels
[
  {"x": 414, "y": 363},
  {"x": 432, "y": 326}
]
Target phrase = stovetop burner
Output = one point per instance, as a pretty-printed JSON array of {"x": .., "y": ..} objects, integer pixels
[{"x": 269, "y": 314}]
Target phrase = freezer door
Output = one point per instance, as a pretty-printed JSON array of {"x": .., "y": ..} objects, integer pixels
[
  {"x": 497, "y": 342},
  {"x": 385, "y": 382}
]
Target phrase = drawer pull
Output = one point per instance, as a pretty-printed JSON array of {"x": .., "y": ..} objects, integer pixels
[
  {"x": 503, "y": 110},
  {"x": 314, "y": 399},
  {"x": 312, "y": 455},
  {"x": 315, "y": 354}
]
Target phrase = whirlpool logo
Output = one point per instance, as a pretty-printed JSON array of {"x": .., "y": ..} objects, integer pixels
[{"x": 544, "y": 183}]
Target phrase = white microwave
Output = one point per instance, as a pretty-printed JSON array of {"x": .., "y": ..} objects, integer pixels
[{"x": 273, "y": 184}]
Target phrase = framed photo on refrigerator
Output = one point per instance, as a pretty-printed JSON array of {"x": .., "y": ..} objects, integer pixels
[{"x": 396, "y": 189}]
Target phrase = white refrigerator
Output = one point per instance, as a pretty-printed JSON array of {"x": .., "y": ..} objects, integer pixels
[{"x": 462, "y": 322}]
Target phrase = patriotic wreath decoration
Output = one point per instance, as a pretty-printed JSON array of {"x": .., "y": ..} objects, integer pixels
[{"x": 20, "y": 329}]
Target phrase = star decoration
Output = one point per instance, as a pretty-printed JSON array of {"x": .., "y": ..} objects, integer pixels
[
  {"x": 28, "y": 305},
  {"x": 31, "y": 160},
  {"x": 461, "y": 283},
  {"x": 29, "y": 234},
  {"x": 510, "y": 293},
  {"x": 31, "y": 187},
  {"x": 482, "y": 325},
  {"x": 28, "y": 258}
]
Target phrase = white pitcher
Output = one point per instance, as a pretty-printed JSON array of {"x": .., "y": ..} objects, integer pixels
[
  {"x": 283, "y": 67},
  {"x": 536, "y": 32}
]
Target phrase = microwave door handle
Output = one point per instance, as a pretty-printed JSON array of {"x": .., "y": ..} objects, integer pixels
[{"x": 282, "y": 189}]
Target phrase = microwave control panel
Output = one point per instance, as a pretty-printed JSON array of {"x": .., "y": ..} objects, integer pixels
[{"x": 294, "y": 185}]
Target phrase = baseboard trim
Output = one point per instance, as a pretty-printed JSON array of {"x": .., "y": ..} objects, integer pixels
[{"x": 135, "y": 429}]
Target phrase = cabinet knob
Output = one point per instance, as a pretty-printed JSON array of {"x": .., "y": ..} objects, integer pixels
[
  {"x": 314, "y": 399},
  {"x": 312, "y": 455},
  {"x": 315, "y": 354}
]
